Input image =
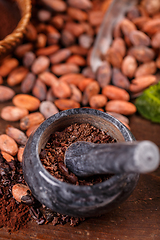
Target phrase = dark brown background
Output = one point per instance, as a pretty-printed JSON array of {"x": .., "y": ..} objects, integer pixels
[{"x": 136, "y": 219}]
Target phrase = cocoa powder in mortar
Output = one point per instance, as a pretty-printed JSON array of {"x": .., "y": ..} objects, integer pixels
[{"x": 52, "y": 156}]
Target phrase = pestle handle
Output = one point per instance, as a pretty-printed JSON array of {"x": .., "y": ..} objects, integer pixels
[{"x": 86, "y": 159}]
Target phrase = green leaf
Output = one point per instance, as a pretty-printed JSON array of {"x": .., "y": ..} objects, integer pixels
[{"x": 148, "y": 104}]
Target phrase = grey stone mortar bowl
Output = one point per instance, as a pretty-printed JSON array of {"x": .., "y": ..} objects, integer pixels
[{"x": 65, "y": 198}]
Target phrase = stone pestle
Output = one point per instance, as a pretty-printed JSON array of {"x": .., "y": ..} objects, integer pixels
[{"x": 85, "y": 159}]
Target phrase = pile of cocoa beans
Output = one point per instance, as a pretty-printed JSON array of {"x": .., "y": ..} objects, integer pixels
[{"x": 51, "y": 68}]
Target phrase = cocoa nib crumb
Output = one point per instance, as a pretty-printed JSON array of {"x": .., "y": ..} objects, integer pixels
[{"x": 52, "y": 156}]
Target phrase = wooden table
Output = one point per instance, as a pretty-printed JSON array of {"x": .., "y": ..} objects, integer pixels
[{"x": 138, "y": 218}]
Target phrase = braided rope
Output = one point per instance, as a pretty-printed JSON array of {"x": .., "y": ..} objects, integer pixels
[{"x": 14, "y": 38}]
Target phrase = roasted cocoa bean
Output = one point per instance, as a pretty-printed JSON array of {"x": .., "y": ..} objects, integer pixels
[
  {"x": 26, "y": 101},
  {"x": 120, "y": 106},
  {"x": 140, "y": 83},
  {"x": 16, "y": 134},
  {"x": 103, "y": 74},
  {"x": 120, "y": 80},
  {"x": 129, "y": 66},
  {"x": 39, "y": 90},
  {"x": 17, "y": 76},
  {"x": 12, "y": 113},
  {"x": 146, "y": 69},
  {"x": 30, "y": 120},
  {"x": 8, "y": 65},
  {"x": 115, "y": 93},
  {"x": 98, "y": 101},
  {"x": 40, "y": 64},
  {"x": 48, "y": 109},
  {"x": 6, "y": 93},
  {"x": 8, "y": 145},
  {"x": 64, "y": 104}
]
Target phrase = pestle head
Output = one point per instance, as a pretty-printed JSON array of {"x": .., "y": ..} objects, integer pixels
[{"x": 86, "y": 159}]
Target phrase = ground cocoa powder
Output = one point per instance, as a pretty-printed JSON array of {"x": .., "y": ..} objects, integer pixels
[
  {"x": 52, "y": 156},
  {"x": 13, "y": 214}
]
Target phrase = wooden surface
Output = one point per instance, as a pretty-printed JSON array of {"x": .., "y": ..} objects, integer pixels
[{"x": 136, "y": 219}]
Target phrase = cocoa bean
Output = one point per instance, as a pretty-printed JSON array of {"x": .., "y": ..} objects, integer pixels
[
  {"x": 129, "y": 66},
  {"x": 39, "y": 90},
  {"x": 140, "y": 83},
  {"x": 8, "y": 145},
  {"x": 114, "y": 57},
  {"x": 120, "y": 80},
  {"x": 152, "y": 26},
  {"x": 46, "y": 51},
  {"x": 67, "y": 38},
  {"x": 17, "y": 76},
  {"x": 31, "y": 32},
  {"x": 32, "y": 129},
  {"x": 28, "y": 59},
  {"x": 77, "y": 14},
  {"x": 41, "y": 43},
  {"x": 12, "y": 113},
  {"x": 85, "y": 40},
  {"x": 48, "y": 78},
  {"x": 104, "y": 74},
  {"x": 16, "y": 134},
  {"x": 56, "y": 5},
  {"x": 91, "y": 89},
  {"x": 120, "y": 106},
  {"x": 152, "y": 7},
  {"x": 64, "y": 104},
  {"x": 95, "y": 17},
  {"x": 64, "y": 68},
  {"x": 8, "y": 65},
  {"x": 60, "y": 56},
  {"x": 98, "y": 101},
  {"x": 76, "y": 49},
  {"x": 40, "y": 64},
  {"x": 53, "y": 35},
  {"x": 57, "y": 21},
  {"x": 48, "y": 109},
  {"x": 30, "y": 120},
  {"x": 20, "y": 153},
  {"x": 6, "y": 93},
  {"x": 88, "y": 73},
  {"x": 119, "y": 45},
  {"x": 61, "y": 90},
  {"x": 84, "y": 83},
  {"x": 26, "y": 101},
  {"x": 28, "y": 82},
  {"x": 127, "y": 26},
  {"x": 7, "y": 156},
  {"x": 83, "y": 4},
  {"x": 142, "y": 53},
  {"x": 120, "y": 117},
  {"x": 19, "y": 191},
  {"x": 44, "y": 15},
  {"x": 22, "y": 49},
  {"x": 76, "y": 94},
  {"x": 77, "y": 59},
  {"x": 75, "y": 28},
  {"x": 115, "y": 93},
  {"x": 146, "y": 69},
  {"x": 139, "y": 38},
  {"x": 72, "y": 78},
  {"x": 155, "y": 40},
  {"x": 140, "y": 21}
]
